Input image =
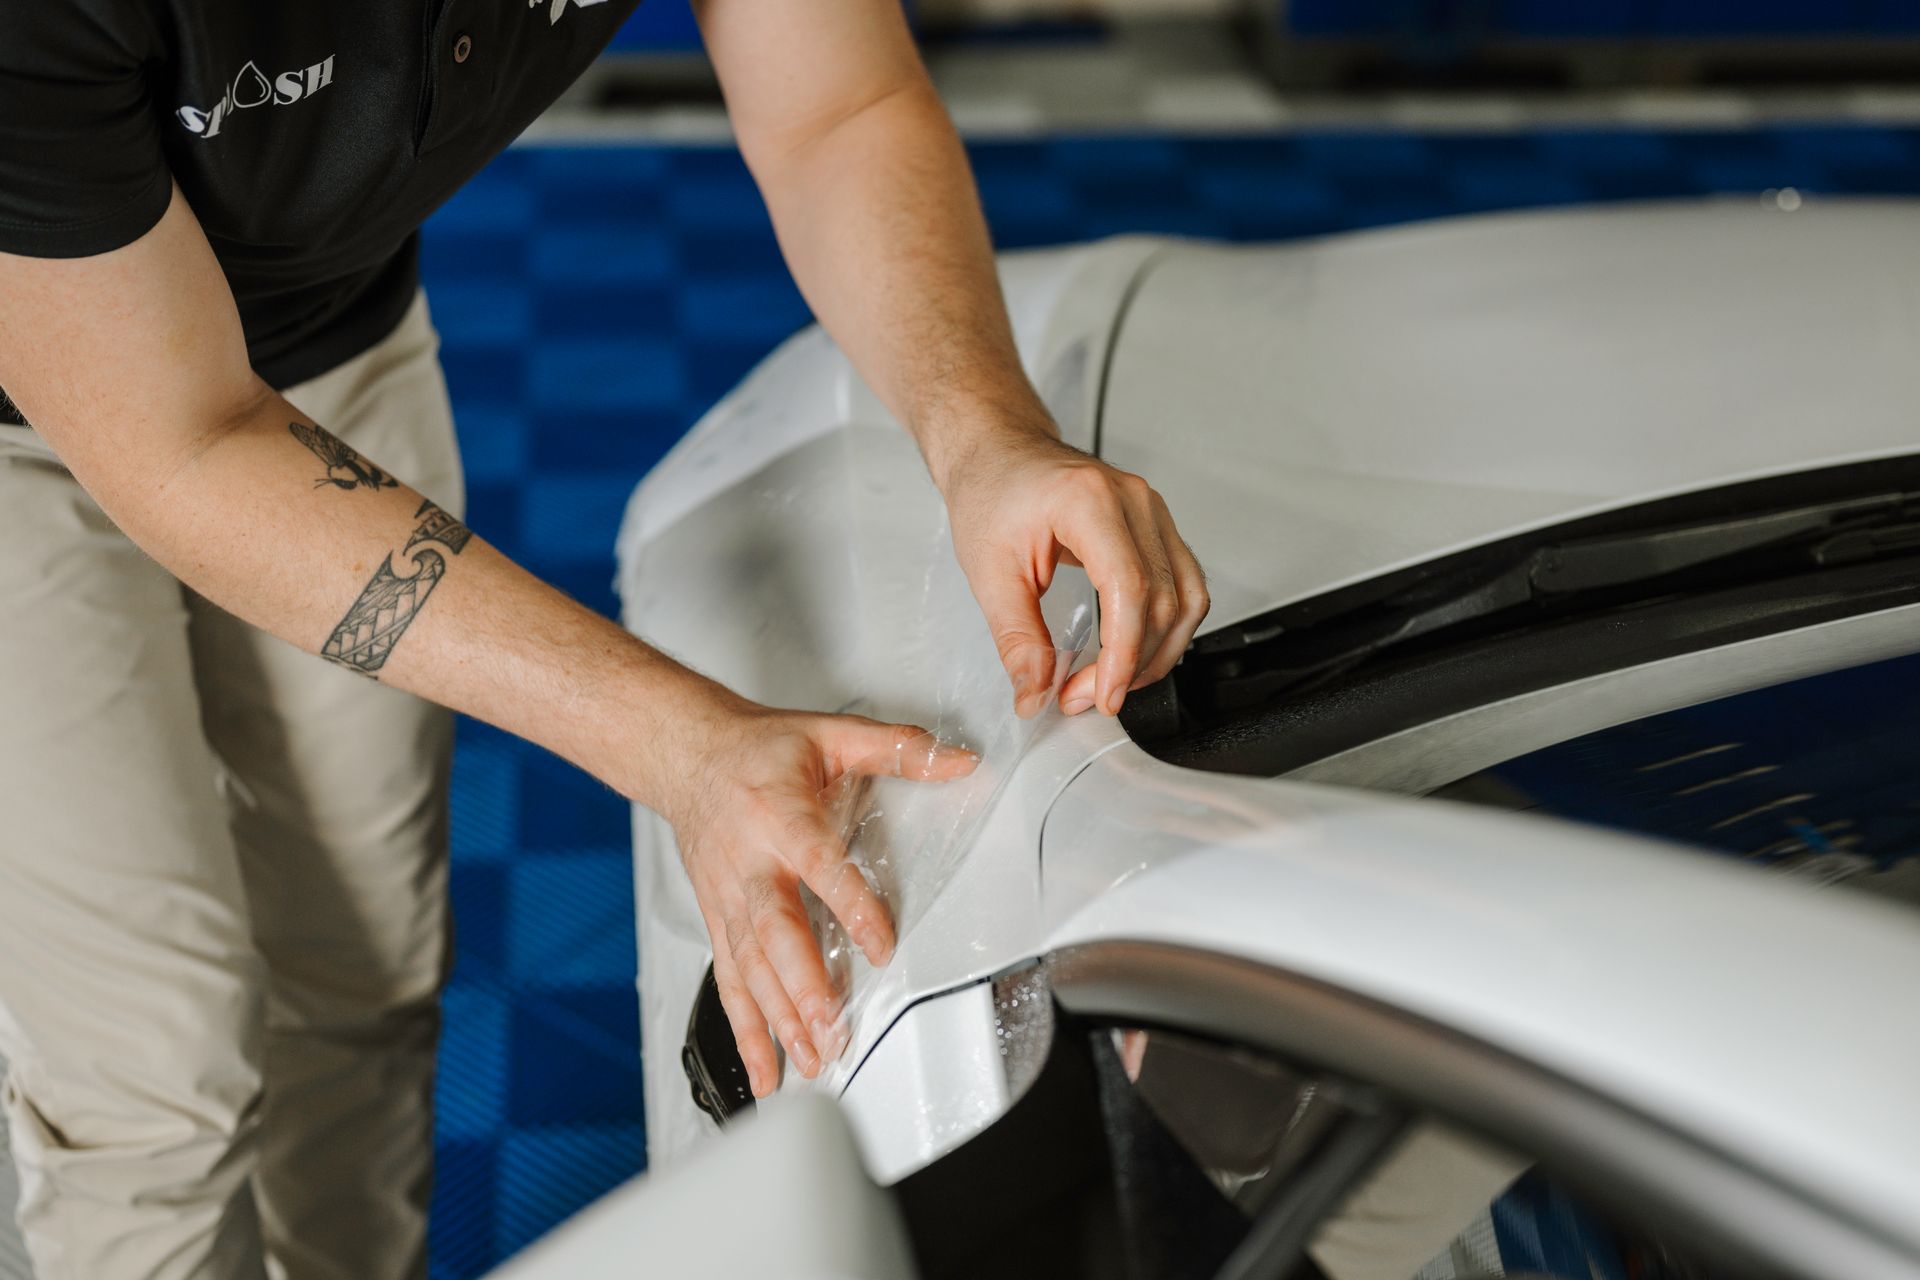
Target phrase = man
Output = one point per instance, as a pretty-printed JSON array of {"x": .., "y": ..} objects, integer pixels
[{"x": 222, "y": 867}]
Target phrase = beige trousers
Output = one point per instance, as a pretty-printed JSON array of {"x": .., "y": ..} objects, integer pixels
[{"x": 223, "y": 920}]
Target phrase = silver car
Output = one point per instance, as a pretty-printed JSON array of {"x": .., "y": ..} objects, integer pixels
[{"x": 1611, "y": 517}]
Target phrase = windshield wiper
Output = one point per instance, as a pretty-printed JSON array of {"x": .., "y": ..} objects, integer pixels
[
  {"x": 1832, "y": 532},
  {"x": 1536, "y": 577}
]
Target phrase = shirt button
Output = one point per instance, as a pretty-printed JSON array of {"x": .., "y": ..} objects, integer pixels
[{"x": 462, "y": 47}]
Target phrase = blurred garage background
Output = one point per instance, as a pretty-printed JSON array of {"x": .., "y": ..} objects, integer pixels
[{"x": 604, "y": 282}]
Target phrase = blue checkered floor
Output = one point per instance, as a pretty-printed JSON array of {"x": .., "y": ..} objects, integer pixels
[{"x": 594, "y": 302}]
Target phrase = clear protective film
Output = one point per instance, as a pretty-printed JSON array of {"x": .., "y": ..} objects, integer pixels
[
  {"x": 824, "y": 579},
  {"x": 906, "y": 836}
]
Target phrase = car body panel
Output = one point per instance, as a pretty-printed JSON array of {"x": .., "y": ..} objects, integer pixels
[
  {"x": 1717, "y": 999},
  {"x": 1062, "y": 302},
  {"x": 793, "y": 1178},
  {"x": 1323, "y": 412},
  {"x": 932, "y": 1082}
]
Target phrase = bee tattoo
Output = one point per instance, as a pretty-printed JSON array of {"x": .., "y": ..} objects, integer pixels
[{"x": 346, "y": 469}]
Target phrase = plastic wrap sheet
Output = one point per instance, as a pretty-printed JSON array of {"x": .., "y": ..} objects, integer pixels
[{"x": 908, "y": 838}]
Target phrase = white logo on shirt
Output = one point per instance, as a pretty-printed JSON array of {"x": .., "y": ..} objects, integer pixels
[
  {"x": 560, "y": 7},
  {"x": 250, "y": 88}
]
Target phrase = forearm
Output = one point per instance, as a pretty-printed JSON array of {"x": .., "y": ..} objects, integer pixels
[
  {"x": 876, "y": 211},
  {"x": 880, "y": 222},
  {"x": 265, "y": 519}
]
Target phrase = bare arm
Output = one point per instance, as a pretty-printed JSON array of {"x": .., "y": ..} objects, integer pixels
[
  {"x": 133, "y": 367},
  {"x": 876, "y": 211}
]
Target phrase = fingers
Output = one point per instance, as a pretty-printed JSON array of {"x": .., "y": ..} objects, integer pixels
[
  {"x": 1078, "y": 693},
  {"x": 1163, "y": 590},
  {"x": 820, "y": 858},
  {"x": 767, "y": 961},
  {"x": 772, "y": 944},
  {"x": 747, "y": 869},
  {"x": 1152, "y": 592},
  {"x": 764, "y": 985},
  {"x": 743, "y": 1015},
  {"x": 780, "y": 926},
  {"x": 856, "y": 906},
  {"x": 1012, "y": 606},
  {"x": 768, "y": 967},
  {"x": 854, "y": 744},
  {"x": 1096, "y": 530},
  {"x": 1189, "y": 593}
]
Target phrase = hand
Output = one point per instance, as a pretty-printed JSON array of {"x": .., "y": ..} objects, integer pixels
[
  {"x": 752, "y": 827},
  {"x": 1023, "y": 505}
]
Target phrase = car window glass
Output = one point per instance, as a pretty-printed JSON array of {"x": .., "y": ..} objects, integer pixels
[
  {"x": 1207, "y": 1137},
  {"x": 1816, "y": 778}
]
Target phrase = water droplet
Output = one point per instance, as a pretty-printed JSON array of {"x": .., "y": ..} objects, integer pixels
[{"x": 250, "y": 88}]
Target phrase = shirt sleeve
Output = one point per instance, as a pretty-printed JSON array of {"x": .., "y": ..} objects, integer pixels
[{"x": 81, "y": 167}]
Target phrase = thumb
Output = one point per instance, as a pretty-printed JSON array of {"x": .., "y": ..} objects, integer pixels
[
  {"x": 1020, "y": 633},
  {"x": 856, "y": 745}
]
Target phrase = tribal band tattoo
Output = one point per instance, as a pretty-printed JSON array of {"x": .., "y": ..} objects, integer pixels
[
  {"x": 439, "y": 527},
  {"x": 377, "y": 620},
  {"x": 346, "y": 469}
]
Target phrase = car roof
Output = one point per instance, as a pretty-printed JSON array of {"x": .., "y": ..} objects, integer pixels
[{"x": 1321, "y": 412}]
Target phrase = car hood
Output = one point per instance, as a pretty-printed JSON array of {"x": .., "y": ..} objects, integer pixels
[{"x": 1325, "y": 411}]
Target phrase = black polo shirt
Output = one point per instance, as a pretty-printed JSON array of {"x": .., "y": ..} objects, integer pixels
[{"x": 310, "y": 137}]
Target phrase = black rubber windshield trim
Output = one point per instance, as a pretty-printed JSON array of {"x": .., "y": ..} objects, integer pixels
[
  {"x": 1406, "y": 691},
  {"x": 1722, "y": 502}
]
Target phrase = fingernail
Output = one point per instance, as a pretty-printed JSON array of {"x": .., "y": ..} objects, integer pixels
[
  {"x": 756, "y": 1082},
  {"x": 1114, "y": 700},
  {"x": 1074, "y": 706},
  {"x": 824, "y": 1037},
  {"x": 809, "y": 1060}
]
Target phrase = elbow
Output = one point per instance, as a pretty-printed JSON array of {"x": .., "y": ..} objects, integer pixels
[
  {"x": 213, "y": 425},
  {"x": 774, "y": 154}
]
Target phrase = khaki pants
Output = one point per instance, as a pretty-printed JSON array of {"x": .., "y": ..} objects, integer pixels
[{"x": 223, "y": 921}]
